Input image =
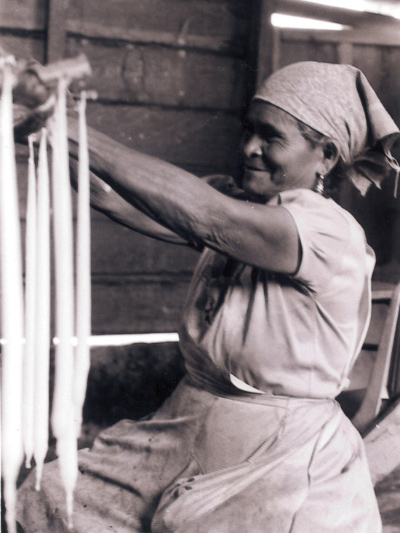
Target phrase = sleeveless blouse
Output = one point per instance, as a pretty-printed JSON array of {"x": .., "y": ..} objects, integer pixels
[{"x": 293, "y": 335}]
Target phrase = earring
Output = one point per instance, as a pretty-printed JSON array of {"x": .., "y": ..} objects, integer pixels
[{"x": 319, "y": 185}]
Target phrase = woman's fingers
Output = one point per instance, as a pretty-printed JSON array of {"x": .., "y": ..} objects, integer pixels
[
  {"x": 33, "y": 104},
  {"x": 30, "y": 91}
]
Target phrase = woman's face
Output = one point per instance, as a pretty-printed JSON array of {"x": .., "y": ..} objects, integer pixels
[{"x": 276, "y": 155}]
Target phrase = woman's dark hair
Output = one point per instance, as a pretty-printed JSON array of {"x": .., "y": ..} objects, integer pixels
[{"x": 313, "y": 137}]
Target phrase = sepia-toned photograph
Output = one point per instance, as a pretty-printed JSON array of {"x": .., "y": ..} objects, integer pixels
[{"x": 200, "y": 266}]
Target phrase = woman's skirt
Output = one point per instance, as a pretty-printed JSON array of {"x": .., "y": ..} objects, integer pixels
[{"x": 207, "y": 463}]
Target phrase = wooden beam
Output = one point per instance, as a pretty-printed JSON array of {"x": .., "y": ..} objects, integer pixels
[
  {"x": 372, "y": 401},
  {"x": 56, "y": 30}
]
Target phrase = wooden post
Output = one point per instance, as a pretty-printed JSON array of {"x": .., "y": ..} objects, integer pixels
[
  {"x": 266, "y": 40},
  {"x": 56, "y": 29}
]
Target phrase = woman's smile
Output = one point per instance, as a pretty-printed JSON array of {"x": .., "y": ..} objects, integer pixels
[{"x": 276, "y": 155}]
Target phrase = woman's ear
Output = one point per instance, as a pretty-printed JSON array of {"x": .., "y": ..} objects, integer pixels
[{"x": 331, "y": 155}]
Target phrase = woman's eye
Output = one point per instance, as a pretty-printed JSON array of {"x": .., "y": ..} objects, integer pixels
[
  {"x": 248, "y": 128},
  {"x": 269, "y": 137},
  {"x": 269, "y": 134}
]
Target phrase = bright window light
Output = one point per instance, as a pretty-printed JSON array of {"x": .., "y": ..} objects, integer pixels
[
  {"x": 383, "y": 7},
  {"x": 287, "y": 21},
  {"x": 356, "y": 5}
]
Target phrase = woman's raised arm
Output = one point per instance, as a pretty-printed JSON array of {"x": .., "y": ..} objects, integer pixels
[
  {"x": 104, "y": 199},
  {"x": 257, "y": 234}
]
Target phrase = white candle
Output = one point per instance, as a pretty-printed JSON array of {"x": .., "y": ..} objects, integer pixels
[
  {"x": 11, "y": 302},
  {"x": 63, "y": 412},
  {"x": 83, "y": 287},
  {"x": 30, "y": 309},
  {"x": 42, "y": 344}
]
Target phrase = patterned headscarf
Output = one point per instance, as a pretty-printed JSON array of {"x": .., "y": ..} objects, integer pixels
[{"x": 339, "y": 102}]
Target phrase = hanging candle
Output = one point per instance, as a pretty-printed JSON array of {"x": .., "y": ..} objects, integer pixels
[
  {"x": 30, "y": 309},
  {"x": 62, "y": 417},
  {"x": 83, "y": 281},
  {"x": 11, "y": 301},
  {"x": 42, "y": 339}
]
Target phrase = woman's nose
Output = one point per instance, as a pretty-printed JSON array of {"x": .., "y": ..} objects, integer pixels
[{"x": 252, "y": 146}]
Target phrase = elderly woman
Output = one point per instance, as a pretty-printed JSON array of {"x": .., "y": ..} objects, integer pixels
[{"x": 252, "y": 439}]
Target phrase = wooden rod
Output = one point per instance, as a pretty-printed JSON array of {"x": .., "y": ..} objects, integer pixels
[
  {"x": 56, "y": 29},
  {"x": 72, "y": 68}
]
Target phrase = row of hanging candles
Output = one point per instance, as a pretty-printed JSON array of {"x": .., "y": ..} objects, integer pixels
[{"x": 25, "y": 365}]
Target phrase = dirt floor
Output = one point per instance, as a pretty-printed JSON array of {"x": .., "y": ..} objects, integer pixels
[
  {"x": 387, "y": 490},
  {"x": 124, "y": 384}
]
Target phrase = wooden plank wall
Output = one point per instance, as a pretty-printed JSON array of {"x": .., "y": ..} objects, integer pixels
[{"x": 171, "y": 78}]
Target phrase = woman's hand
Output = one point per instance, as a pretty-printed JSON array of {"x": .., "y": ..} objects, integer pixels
[
  {"x": 33, "y": 104},
  {"x": 34, "y": 94}
]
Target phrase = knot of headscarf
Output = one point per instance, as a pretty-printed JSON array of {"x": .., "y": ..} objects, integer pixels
[{"x": 339, "y": 102}]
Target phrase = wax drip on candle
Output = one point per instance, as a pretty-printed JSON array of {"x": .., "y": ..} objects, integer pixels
[
  {"x": 42, "y": 340},
  {"x": 83, "y": 284},
  {"x": 63, "y": 411},
  {"x": 11, "y": 301},
  {"x": 30, "y": 309}
]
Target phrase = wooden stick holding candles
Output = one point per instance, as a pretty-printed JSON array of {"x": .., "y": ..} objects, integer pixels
[{"x": 28, "y": 415}]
